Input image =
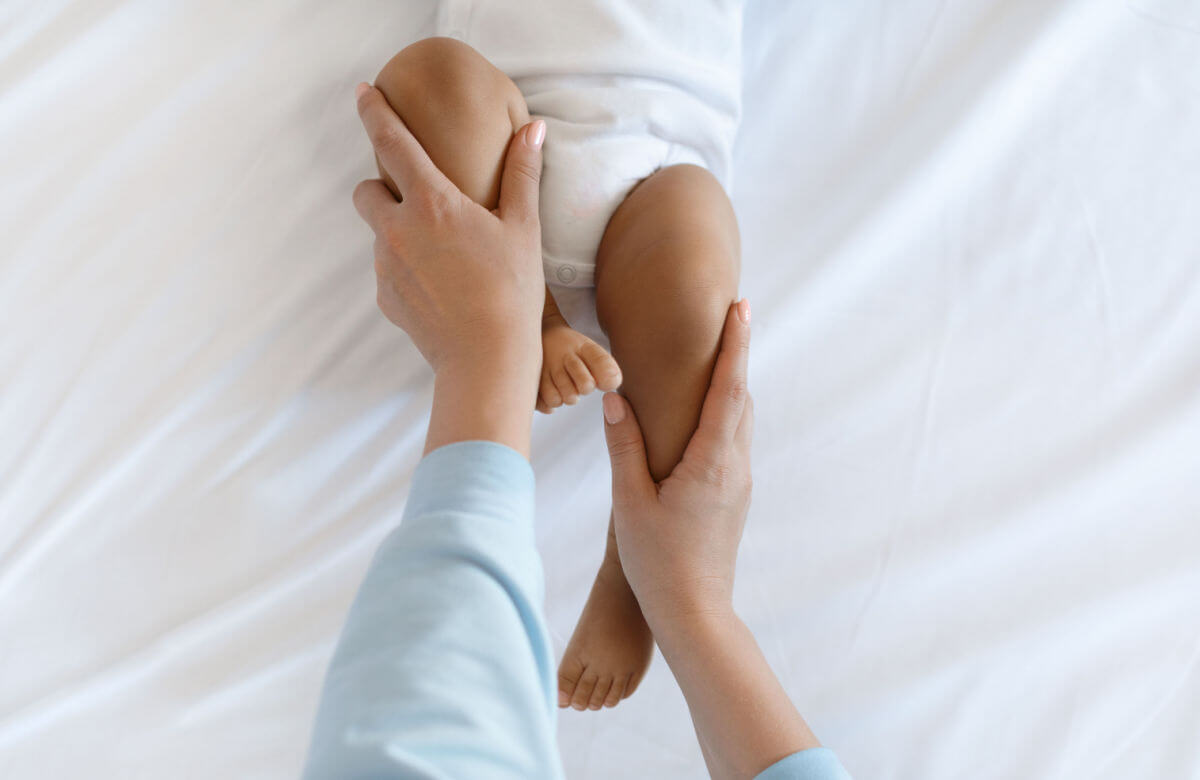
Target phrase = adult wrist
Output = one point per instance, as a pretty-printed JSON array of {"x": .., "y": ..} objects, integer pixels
[
  {"x": 485, "y": 395},
  {"x": 492, "y": 370},
  {"x": 489, "y": 359},
  {"x": 688, "y": 632},
  {"x": 687, "y": 611}
]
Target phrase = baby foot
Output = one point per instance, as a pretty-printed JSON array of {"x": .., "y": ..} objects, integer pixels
[
  {"x": 572, "y": 366},
  {"x": 611, "y": 648}
]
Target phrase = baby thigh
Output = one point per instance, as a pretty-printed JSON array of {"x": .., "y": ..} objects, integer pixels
[
  {"x": 666, "y": 273},
  {"x": 460, "y": 107}
]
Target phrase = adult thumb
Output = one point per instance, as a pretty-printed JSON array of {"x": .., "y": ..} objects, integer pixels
[
  {"x": 523, "y": 173},
  {"x": 626, "y": 449}
]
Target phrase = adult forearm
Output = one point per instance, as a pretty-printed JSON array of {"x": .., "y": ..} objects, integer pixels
[
  {"x": 490, "y": 398},
  {"x": 743, "y": 718},
  {"x": 447, "y": 629}
]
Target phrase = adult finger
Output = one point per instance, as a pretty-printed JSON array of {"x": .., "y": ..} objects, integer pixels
[
  {"x": 745, "y": 430},
  {"x": 401, "y": 155},
  {"x": 372, "y": 199},
  {"x": 727, "y": 393},
  {"x": 627, "y": 451},
  {"x": 523, "y": 173}
]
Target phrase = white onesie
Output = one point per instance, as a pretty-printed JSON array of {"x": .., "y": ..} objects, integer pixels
[{"x": 625, "y": 87}]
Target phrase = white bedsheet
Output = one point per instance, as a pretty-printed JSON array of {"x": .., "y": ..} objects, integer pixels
[{"x": 972, "y": 241}]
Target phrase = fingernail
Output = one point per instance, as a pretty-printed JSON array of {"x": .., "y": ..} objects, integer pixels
[
  {"x": 614, "y": 408},
  {"x": 743, "y": 308},
  {"x": 563, "y": 699},
  {"x": 361, "y": 89},
  {"x": 536, "y": 134}
]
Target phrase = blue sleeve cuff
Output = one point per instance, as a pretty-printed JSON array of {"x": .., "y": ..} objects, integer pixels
[
  {"x": 475, "y": 477},
  {"x": 818, "y": 763}
]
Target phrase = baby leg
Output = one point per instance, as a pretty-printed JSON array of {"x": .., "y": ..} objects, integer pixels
[{"x": 666, "y": 272}]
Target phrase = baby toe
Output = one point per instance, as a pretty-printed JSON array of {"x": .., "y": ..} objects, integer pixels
[
  {"x": 580, "y": 375},
  {"x": 566, "y": 388},
  {"x": 548, "y": 393},
  {"x": 600, "y": 693},
  {"x": 568, "y": 680},
  {"x": 631, "y": 685},
  {"x": 583, "y": 691},
  {"x": 601, "y": 366},
  {"x": 616, "y": 692}
]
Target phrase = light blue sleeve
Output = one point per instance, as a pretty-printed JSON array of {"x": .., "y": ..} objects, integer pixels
[
  {"x": 813, "y": 764},
  {"x": 444, "y": 667}
]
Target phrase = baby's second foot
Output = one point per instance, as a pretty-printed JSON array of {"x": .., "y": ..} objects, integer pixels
[
  {"x": 611, "y": 647},
  {"x": 572, "y": 366}
]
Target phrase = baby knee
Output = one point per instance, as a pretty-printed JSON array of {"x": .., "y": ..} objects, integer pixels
[
  {"x": 679, "y": 302},
  {"x": 461, "y": 108},
  {"x": 445, "y": 75},
  {"x": 695, "y": 325},
  {"x": 671, "y": 251}
]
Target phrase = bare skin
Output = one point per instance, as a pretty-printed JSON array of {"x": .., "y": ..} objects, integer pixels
[{"x": 667, "y": 270}]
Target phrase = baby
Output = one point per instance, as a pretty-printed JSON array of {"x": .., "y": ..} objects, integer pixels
[{"x": 641, "y": 102}]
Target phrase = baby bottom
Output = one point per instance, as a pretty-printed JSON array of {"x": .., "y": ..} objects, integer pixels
[{"x": 666, "y": 272}]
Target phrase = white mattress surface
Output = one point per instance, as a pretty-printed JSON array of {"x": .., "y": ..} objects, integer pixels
[{"x": 972, "y": 241}]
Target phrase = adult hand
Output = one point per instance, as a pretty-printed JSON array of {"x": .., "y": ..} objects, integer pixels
[
  {"x": 678, "y": 540},
  {"x": 462, "y": 281},
  {"x": 465, "y": 283}
]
